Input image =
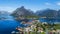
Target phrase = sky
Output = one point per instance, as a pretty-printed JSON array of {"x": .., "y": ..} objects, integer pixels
[{"x": 34, "y": 5}]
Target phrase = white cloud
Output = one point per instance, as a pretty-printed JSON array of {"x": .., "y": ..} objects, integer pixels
[
  {"x": 58, "y": 3},
  {"x": 47, "y": 3},
  {"x": 6, "y": 8}
]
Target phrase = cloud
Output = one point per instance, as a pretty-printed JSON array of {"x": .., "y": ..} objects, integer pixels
[
  {"x": 58, "y": 3},
  {"x": 6, "y": 8},
  {"x": 47, "y": 3}
]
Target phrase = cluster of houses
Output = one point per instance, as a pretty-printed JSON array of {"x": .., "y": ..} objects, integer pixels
[{"x": 34, "y": 29}]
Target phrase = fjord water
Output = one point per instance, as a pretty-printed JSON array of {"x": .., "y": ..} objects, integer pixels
[{"x": 8, "y": 25}]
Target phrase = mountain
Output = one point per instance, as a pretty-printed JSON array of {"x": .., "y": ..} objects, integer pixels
[
  {"x": 21, "y": 11},
  {"x": 4, "y": 14},
  {"x": 47, "y": 13},
  {"x": 58, "y": 13}
]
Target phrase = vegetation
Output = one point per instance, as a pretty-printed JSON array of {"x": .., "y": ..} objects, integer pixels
[
  {"x": 57, "y": 26},
  {"x": 23, "y": 13}
]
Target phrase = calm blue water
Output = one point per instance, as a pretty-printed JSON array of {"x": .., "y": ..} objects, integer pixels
[
  {"x": 8, "y": 25},
  {"x": 49, "y": 20}
]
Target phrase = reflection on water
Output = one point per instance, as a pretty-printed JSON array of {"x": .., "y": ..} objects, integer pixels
[
  {"x": 53, "y": 20},
  {"x": 8, "y": 25}
]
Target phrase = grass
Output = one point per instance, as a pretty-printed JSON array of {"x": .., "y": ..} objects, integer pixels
[
  {"x": 30, "y": 33},
  {"x": 57, "y": 26},
  {"x": 35, "y": 33}
]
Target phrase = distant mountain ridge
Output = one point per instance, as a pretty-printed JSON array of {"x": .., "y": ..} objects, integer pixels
[
  {"x": 4, "y": 14},
  {"x": 49, "y": 13},
  {"x": 42, "y": 13}
]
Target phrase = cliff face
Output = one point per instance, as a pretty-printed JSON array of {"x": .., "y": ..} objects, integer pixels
[
  {"x": 43, "y": 13},
  {"x": 22, "y": 12}
]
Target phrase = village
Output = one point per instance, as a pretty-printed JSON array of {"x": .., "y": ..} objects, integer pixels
[{"x": 36, "y": 27}]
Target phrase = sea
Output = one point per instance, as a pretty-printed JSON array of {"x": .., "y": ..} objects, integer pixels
[{"x": 8, "y": 25}]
